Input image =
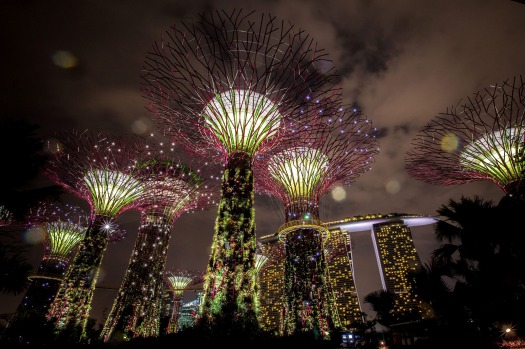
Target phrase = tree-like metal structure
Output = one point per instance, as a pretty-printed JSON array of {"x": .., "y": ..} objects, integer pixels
[
  {"x": 178, "y": 281},
  {"x": 99, "y": 168},
  {"x": 482, "y": 138},
  {"x": 64, "y": 227},
  {"x": 260, "y": 261},
  {"x": 340, "y": 151},
  {"x": 231, "y": 86},
  {"x": 174, "y": 184}
]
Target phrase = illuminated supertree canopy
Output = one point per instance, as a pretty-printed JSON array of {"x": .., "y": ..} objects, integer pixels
[
  {"x": 178, "y": 281},
  {"x": 100, "y": 169},
  {"x": 341, "y": 149},
  {"x": 482, "y": 138},
  {"x": 174, "y": 184},
  {"x": 64, "y": 227},
  {"x": 260, "y": 261},
  {"x": 229, "y": 87}
]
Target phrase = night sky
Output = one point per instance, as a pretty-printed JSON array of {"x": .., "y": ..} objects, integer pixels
[{"x": 77, "y": 65}]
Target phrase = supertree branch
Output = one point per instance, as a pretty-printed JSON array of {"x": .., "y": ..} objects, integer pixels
[
  {"x": 336, "y": 152},
  {"x": 178, "y": 281},
  {"x": 174, "y": 185},
  {"x": 229, "y": 87},
  {"x": 340, "y": 149},
  {"x": 234, "y": 82},
  {"x": 100, "y": 169},
  {"x": 482, "y": 138},
  {"x": 64, "y": 227}
]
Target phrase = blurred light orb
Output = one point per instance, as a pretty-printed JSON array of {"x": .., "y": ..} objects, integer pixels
[
  {"x": 139, "y": 126},
  {"x": 338, "y": 193},
  {"x": 64, "y": 59},
  {"x": 34, "y": 235},
  {"x": 449, "y": 142},
  {"x": 392, "y": 187}
]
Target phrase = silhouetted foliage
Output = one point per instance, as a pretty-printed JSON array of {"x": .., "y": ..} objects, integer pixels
[
  {"x": 481, "y": 258},
  {"x": 383, "y": 303},
  {"x": 14, "y": 268},
  {"x": 22, "y": 157}
]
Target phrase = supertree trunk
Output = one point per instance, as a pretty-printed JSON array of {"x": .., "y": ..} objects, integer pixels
[
  {"x": 174, "y": 318},
  {"x": 71, "y": 306},
  {"x": 33, "y": 309},
  {"x": 138, "y": 313},
  {"x": 230, "y": 291},
  {"x": 308, "y": 302}
]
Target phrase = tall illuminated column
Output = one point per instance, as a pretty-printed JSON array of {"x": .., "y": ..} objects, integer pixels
[
  {"x": 64, "y": 227},
  {"x": 229, "y": 87},
  {"x": 178, "y": 281},
  {"x": 100, "y": 169},
  {"x": 482, "y": 138},
  {"x": 337, "y": 154},
  {"x": 173, "y": 186},
  {"x": 271, "y": 284}
]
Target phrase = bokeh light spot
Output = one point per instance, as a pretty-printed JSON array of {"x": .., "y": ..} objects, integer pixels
[
  {"x": 139, "y": 127},
  {"x": 449, "y": 142},
  {"x": 392, "y": 186},
  {"x": 64, "y": 59},
  {"x": 34, "y": 235},
  {"x": 338, "y": 193}
]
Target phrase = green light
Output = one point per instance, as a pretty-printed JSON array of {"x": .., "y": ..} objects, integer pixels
[
  {"x": 178, "y": 283},
  {"x": 242, "y": 119},
  {"x": 63, "y": 237},
  {"x": 111, "y": 191},
  {"x": 298, "y": 170},
  {"x": 497, "y": 155}
]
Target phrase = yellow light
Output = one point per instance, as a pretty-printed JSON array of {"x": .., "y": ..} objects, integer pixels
[
  {"x": 299, "y": 170},
  {"x": 449, "y": 142},
  {"x": 242, "y": 119}
]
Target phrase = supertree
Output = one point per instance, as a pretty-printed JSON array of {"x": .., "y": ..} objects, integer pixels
[
  {"x": 482, "y": 138},
  {"x": 260, "y": 261},
  {"x": 231, "y": 86},
  {"x": 337, "y": 154},
  {"x": 174, "y": 184},
  {"x": 64, "y": 227},
  {"x": 178, "y": 281},
  {"x": 101, "y": 169}
]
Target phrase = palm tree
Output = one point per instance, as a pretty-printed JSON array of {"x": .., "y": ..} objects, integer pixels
[
  {"x": 383, "y": 303},
  {"x": 482, "y": 256}
]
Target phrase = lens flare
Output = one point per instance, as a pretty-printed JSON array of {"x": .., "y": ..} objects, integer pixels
[
  {"x": 449, "y": 142},
  {"x": 338, "y": 194}
]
